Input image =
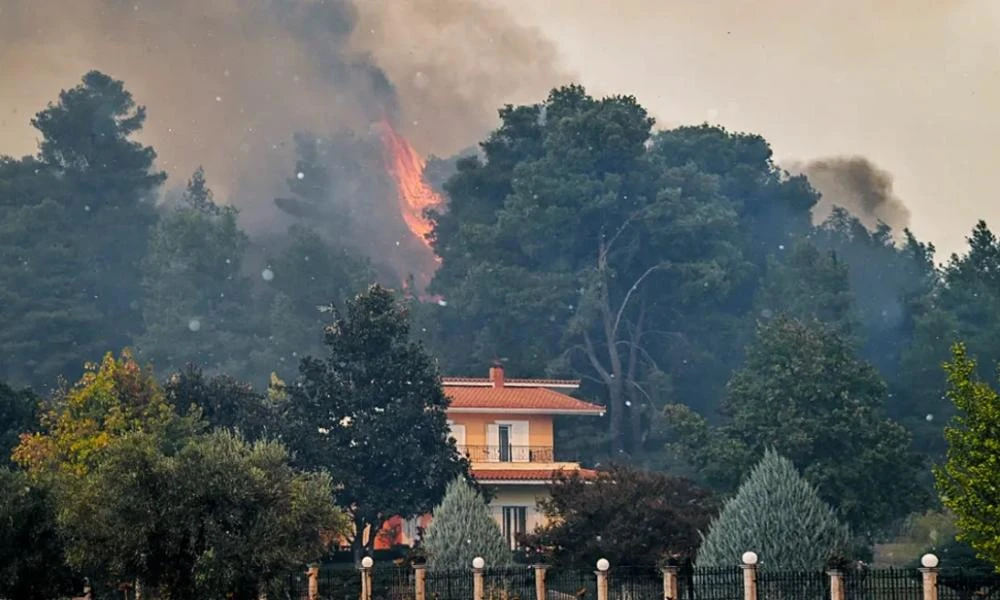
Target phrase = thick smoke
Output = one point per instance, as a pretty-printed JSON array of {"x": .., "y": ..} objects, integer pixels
[
  {"x": 228, "y": 82},
  {"x": 858, "y": 185}
]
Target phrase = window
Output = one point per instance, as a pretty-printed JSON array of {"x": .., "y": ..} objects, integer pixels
[{"x": 514, "y": 523}]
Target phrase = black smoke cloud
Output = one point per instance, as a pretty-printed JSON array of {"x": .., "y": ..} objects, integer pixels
[
  {"x": 858, "y": 185},
  {"x": 227, "y": 83}
]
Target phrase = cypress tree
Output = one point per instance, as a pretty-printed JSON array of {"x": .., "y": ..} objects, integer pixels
[
  {"x": 777, "y": 514},
  {"x": 463, "y": 529}
]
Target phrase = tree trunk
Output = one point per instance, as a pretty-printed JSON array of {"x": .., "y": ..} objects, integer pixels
[
  {"x": 358, "y": 541},
  {"x": 635, "y": 400}
]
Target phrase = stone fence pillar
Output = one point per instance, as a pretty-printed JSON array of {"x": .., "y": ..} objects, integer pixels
[
  {"x": 749, "y": 575},
  {"x": 929, "y": 571},
  {"x": 836, "y": 584},
  {"x": 602, "y": 579},
  {"x": 670, "y": 588},
  {"x": 420, "y": 582},
  {"x": 540, "y": 581}
]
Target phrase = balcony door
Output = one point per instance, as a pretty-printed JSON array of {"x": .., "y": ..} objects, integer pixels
[
  {"x": 508, "y": 441},
  {"x": 503, "y": 433}
]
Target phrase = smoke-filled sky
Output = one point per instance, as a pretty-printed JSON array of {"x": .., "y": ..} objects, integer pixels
[
  {"x": 896, "y": 96},
  {"x": 912, "y": 85}
]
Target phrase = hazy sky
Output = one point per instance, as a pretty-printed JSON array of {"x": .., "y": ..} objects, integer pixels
[
  {"x": 910, "y": 84},
  {"x": 914, "y": 85}
]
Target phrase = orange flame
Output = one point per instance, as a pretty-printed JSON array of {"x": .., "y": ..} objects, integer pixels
[{"x": 415, "y": 196}]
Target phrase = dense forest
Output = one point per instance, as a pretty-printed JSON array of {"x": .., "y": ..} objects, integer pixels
[{"x": 678, "y": 273}]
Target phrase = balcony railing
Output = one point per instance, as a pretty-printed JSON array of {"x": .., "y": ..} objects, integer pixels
[{"x": 540, "y": 454}]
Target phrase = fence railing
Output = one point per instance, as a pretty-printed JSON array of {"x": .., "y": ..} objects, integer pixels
[
  {"x": 607, "y": 582},
  {"x": 543, "y": 454}
]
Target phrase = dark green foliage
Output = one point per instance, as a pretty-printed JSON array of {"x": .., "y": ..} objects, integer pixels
[
  {"x": 964, "y": 307},
  {"x": 74, "y": 223},
  {"x": 309, "y": 273},
  {"x": 18, "y": 414},
  {"x": 808, "y": 284},
  {"x": 195, "y": 298},
  {"x": 31, "y": 553},
  {"x": 463, "y": 529},
  {"x": 630, "y": 517},
  {"x": 220, "y": 516},
  {"x": 804, "y": 392},
  {"x": 572, "y": 230},
  {"x": 373, "y": 413},
  {"x": 778, "y": 515},
  {"x": 222, "y": 401}
]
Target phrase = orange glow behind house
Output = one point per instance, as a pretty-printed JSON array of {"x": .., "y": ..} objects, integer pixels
[{"x": 415, "y": 195}]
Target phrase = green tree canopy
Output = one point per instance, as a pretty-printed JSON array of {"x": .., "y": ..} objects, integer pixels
[
  {"x": 968, "y": 481},
  {"x": 571, "y": 229},
  {"x": 804, "y": 393},
  {"x": 18, "y": 414},
  {"x": 32, "y": 560},
  {"x": 809, "y": 284},
  {"x": 74, "y": 223},
  {"x": 628, "y": 516},
  {"x": 223, "y": 402},
  {"x": 777, "y": 514},
  {"x": 219, "y": 516},
  {"x": 373, "y": 412},
  {"x": 463, "y": 529},
  {"x": 113, "y": 399},
  {"x": 196, "y": 301}
]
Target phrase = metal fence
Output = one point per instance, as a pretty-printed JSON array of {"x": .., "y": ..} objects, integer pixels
[
  {"x": 959, "y": 584},
  {"x": 343, "y": 582},
  {"x": 712, "y": 583},
  {"x": 793, "y": 585}
]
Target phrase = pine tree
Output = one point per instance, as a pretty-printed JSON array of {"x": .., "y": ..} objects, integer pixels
[
  {"x": 777, "y": 514},
  {"x": 463, "y": 529},
  {"x": 195, "y": 298}
]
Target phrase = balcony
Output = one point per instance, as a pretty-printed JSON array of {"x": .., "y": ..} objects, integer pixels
[{"x": 517, "y": 454}]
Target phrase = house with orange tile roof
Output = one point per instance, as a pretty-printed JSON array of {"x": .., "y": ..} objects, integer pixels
[{"x": 505, "y": 427}]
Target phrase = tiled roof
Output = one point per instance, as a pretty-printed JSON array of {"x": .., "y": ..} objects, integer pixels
[
  {"x": 525, "y": 474},
  {"x": 486, "y": 382},
  {"x": 516, "y": 398}
]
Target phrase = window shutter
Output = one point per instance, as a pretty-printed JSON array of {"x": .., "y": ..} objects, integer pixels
[{"x": 493, "y": 442}]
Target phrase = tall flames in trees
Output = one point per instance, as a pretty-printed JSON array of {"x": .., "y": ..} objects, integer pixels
[
  {"x": 415, "y": 195},
  {"x": 407, "y": 169}
]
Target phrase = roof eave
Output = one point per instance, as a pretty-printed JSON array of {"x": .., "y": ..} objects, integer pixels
[
  {"x": 514, "y": 481},
  {"x": 596, "y": 412}
]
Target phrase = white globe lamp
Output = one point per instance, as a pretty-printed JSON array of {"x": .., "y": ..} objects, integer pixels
[
  {"x": 478, "y": 562},
  {"x": 603, "y": 565},
  {"x": 929, "y": 561},
  {"x": 750, "y": 558},
  {"x": 367, "y": 562}
]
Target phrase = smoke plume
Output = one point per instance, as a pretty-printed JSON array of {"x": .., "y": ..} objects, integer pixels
[
  {"x": 858, "y": 185},
  {"x": 228, "y": 82}
]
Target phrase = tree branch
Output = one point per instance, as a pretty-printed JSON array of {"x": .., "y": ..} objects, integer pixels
[
  {"x": 594, "y": 361},
  {"x": 628, "y": 295}
]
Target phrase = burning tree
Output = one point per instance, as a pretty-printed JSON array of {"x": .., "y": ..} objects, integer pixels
[{"x": 368, "y": 192}]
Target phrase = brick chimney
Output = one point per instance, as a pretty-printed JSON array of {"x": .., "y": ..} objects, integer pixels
[{"x": 496, "y": 374}]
